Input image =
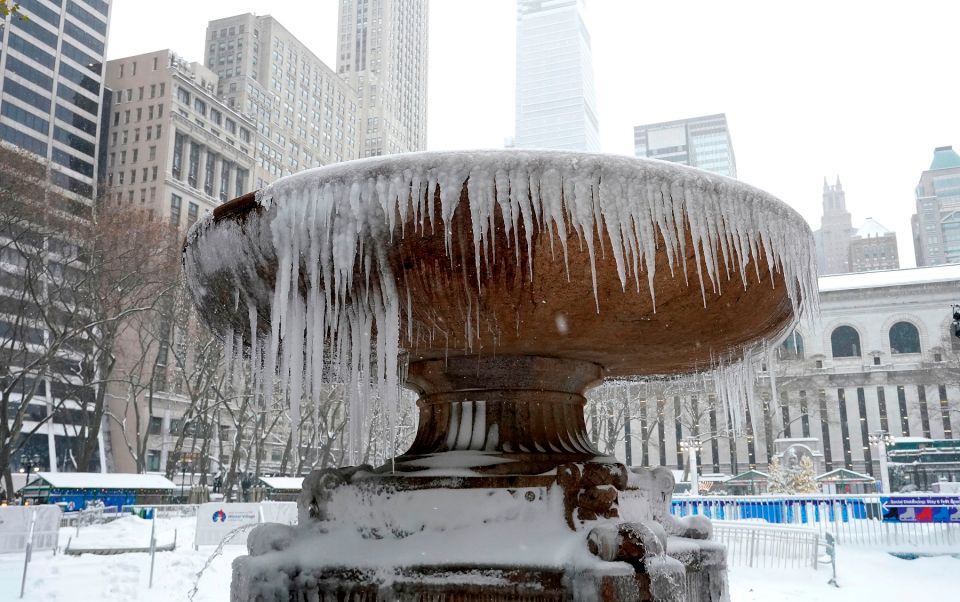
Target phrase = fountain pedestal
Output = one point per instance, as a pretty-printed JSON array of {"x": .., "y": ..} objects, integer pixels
[
  {"x": 522, "y": 415},
  {"x": 513, "y": 281},
  {"x": 495, "y": 500}
]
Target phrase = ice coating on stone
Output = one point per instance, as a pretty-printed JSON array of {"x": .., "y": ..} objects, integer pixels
[{"x": 331, "y": 228}]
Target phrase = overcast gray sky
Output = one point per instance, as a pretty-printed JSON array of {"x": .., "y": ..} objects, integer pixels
[{"x": 811, "y": 89}]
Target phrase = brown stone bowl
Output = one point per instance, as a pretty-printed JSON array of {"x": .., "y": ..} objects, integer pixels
[{"x": 572, "y": 308}]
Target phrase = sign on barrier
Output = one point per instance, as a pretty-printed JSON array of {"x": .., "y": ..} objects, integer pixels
[
  {"x": 921, "y": 509},
  {"x": 215, "y": 520},
  {"x": 15, "y": 526}
]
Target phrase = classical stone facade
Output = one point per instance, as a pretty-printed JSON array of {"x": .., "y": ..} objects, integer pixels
[
  {"x": 173, "y": 145},
  {"x": 881, "y": 356}
]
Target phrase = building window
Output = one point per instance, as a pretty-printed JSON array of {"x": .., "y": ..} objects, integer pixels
[
  {"x": 792, "y": 347},
  {"x": 193, "y": 168},
  {"x": 192, "y": 211},
  {"x": 785, "y": 413},
  {"x": 241, "y": 181},
  {"x": 678, "y": 431},
  {"x": 845, "y": 342},
  {"x": 224, "y": 180},
  {"x": 175, "y": 203},
  {"x": 945, "y": 412},
  {"x": 156, "y": 425},
  {"x": 904, "y": 418},
  {"x": 804, "y": 414},
  {"x": 882, "y": 403},
  {"x": 183, "y": 96},
  {"x": 904, "y": 338},
  {"x": 153, "y": 460},
  {"x": 924, "y": 413},
  {"x": 825, "y": 431},
  {"x": 864, "y": 429},
  {"x": 176, "y": 168},
  {"x": 208, "y": 175}
]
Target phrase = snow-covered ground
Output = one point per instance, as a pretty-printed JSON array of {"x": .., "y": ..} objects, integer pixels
[{"x": 863, "y": 575}]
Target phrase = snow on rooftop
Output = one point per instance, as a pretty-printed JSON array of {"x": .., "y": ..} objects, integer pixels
[
  {"x": 911, "y": 440},
  {"x": 871, "y": 228},
  {"x": 283, "y": 482},
  {"x": 882, "y": 278},
  {"x": 109, "y": 480}
]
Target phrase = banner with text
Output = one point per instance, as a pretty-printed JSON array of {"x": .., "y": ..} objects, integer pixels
[{"x": 921, "y": 509}]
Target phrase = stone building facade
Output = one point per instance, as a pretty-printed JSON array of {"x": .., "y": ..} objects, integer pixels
[
  {"x": 173, "y": 145},
  {"x": 881, "y": 356},
  {"x": 873, "y": 247}
]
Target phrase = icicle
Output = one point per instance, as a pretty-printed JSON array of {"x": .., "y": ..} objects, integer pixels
[{"x": 329, "y": 233}]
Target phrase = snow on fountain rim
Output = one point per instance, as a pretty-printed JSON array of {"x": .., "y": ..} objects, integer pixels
[{"x": 340, "y": 219}]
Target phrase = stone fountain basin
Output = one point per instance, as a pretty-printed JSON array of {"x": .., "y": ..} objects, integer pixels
[{"x": 529, "y": 297}]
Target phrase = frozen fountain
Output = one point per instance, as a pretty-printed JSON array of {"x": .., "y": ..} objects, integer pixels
[{"x": 499, "y": 286}]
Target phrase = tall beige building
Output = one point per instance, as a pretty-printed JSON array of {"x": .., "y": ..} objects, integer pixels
[
  {"x": 382, "y": 53},
  {"x": 306, "y": 115},
  {"x": 173, "y": 146},
  {"x": 176, "y": 149}
]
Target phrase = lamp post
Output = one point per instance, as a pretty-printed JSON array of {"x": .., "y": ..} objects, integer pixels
[
  {"x": 184, "y": 467},
  {"x": 882, "y": 439},
  {"x": 29, "y": 463},
  {"x": 691, "y": 445}
]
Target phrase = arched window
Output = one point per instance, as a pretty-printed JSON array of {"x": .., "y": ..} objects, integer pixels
[
  {"x": 904, "y": 338},
  {"x": 845, "y": 342},
  {"x": 792, "y": 347}
]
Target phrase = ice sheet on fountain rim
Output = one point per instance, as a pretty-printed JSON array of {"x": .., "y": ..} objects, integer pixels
[{"x": 339, "y": 220}]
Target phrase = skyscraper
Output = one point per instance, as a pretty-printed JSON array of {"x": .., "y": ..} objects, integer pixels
[
  {"x": 51, "y": 71},
  {"x": 51, "y": 77},
  {"x": 936, "y": 224},
  {"x": 382, "y": 53},
  {"x": 556, "y": 103},
  {"x": 702, "y": 142},
  {"x": 309, "y": 115},
  {"x": 306, "y": 115},
  {"x": 836, "y": 228}
]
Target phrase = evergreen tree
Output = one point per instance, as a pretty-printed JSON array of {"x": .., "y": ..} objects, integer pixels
[
  {"x": 802, "y": 480},
  {"x": 777, "y": 481}
]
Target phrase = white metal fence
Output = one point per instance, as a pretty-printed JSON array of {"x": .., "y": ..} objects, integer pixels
[
  {"x": 768, "y": 546},
  {"x": 853, "y": 519},
  {"x": 165, "y": 511}
]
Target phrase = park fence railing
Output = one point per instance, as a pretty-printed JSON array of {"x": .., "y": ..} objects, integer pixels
[
  {"x": 910, "y": 521},
  {"x": 164, "y": 511},
  {"x": 768, "y": 546}
]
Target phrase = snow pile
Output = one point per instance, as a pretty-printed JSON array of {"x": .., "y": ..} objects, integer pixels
[{"x": 330, "y": 231}]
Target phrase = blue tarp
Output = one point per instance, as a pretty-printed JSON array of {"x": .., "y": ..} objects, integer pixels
[
  {"x": 779, "y": 511},
  {"x": 78, "y": 500}
]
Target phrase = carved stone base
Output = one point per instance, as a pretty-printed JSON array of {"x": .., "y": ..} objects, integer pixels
[{"x": 590, "y": 531}]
